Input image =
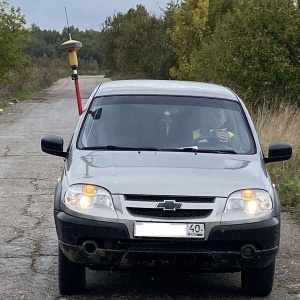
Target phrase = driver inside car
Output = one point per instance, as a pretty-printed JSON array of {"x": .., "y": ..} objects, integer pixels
[{"x": 218, "y": 128}]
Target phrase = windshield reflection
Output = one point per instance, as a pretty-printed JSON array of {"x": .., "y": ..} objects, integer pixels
[{"x": 165, "y": 123}]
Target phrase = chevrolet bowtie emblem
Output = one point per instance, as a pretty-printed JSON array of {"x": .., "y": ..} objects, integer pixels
[{"x": 169, "y": 205}]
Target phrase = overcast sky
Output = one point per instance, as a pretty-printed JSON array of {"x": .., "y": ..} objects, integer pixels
[{"x": 83, "y": 14}]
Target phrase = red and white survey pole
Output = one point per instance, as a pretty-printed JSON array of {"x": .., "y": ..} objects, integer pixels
[{"x": 72, "y": 46}]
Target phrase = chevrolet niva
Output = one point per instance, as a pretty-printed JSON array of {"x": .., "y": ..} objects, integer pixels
[{"x": 166, "y": 174}]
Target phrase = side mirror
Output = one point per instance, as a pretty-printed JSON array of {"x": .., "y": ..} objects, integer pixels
[
  {"x": 53, "y": 145},
  {"x": 279, "y": 152}
]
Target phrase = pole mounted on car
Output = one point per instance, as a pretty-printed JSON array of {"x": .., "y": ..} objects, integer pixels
[{"x": 72, "y": 46}]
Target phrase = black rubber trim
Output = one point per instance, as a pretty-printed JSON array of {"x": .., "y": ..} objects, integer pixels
[
  {"x": 200, "y": 260},
  {"x": 57, "y": 196},
  {"x": 266, "y": 233},
  {"x": 71, "y": 229},
  {"x": 264, "y": 236}
]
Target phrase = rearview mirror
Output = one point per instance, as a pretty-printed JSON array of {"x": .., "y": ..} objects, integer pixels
[
  {"x": 279, "y": 152},
  {"x": 53, "y": 145}
]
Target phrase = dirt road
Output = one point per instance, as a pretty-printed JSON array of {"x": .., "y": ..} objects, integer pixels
[{"x": 28, "y": 243}]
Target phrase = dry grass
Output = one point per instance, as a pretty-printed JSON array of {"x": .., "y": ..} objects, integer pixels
[
  {"x": 26, "y": 81},
  {"x": 279, "y": 122}
]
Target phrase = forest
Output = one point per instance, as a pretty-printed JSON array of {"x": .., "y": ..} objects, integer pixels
[{"x": 251, "y": 46}]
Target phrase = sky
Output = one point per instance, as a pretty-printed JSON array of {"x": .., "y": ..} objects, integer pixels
[{"x": 83, "y": 14}]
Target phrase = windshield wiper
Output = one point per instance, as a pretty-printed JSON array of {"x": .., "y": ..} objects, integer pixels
[
  {"x": 121, "y": 148},
  {"x": 184, "y": 149},
  {"x": 223, "y": 151},
  {"x": 196, "y": 150}
]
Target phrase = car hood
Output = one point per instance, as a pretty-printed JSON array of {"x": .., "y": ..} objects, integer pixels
[{"x": 167, "y": 173}]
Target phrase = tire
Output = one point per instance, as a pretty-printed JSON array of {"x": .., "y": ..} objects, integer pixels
[
  {"x": 71, "y": 276},
  {"x": 258, "y": 282}
]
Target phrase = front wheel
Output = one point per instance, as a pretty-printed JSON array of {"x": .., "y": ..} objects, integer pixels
[
  {"x": 71, "y": 276},
  {"x": 258, "y": 282}
]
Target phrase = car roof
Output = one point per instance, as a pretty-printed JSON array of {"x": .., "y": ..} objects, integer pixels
[{"x": 164, "y": 87}]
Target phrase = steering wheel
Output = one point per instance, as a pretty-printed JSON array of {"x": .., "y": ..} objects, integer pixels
[
  {"x": 207, "y": 139},
  {"x": 212, "y": 142}
]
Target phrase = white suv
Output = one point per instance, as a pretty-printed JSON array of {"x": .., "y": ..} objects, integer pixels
[{"x": 166, "y": 174}]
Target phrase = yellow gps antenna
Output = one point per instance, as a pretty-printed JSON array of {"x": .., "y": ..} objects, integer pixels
[{"x": 72, "y": 46}]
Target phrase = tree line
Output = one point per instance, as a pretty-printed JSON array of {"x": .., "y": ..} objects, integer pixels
[{"x": 252, "y": 46}]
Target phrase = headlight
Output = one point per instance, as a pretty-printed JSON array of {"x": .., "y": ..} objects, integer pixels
[
  {"x": 87, "y": 197},
  {"x": 249, "y": 201}
]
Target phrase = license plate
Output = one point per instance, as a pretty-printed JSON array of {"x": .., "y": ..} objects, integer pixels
[{"x": 178, "y": 230}]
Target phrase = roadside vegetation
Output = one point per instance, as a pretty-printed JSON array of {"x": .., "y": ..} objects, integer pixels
[
  {"x": 251, "y": 46},
  {"x": 280, "y": 121}
]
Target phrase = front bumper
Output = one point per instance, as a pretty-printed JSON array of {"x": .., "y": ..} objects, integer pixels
[{"x": 224, "y": 250}]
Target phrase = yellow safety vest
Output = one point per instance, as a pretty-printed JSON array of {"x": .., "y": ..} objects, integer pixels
[{"x": 197, "y": 134}]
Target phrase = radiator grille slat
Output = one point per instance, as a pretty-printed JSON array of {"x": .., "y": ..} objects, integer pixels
[
  {"x": 159, "y": 213},
  {"x": 182, "y": 199}
]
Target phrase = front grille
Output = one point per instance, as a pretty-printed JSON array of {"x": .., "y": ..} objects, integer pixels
[
  {"x": 180, "y": 213},
  {"x": 183, "y": 199}
]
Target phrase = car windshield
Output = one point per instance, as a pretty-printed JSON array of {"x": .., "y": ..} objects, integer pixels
[{"x": 166, "y": 123}]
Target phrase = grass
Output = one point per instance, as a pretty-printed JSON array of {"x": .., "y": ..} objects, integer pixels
[
  {"x": 23, "y": 93},
  {"x": 280, "y": 121},
  {"x": 23, "y": 83}
]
